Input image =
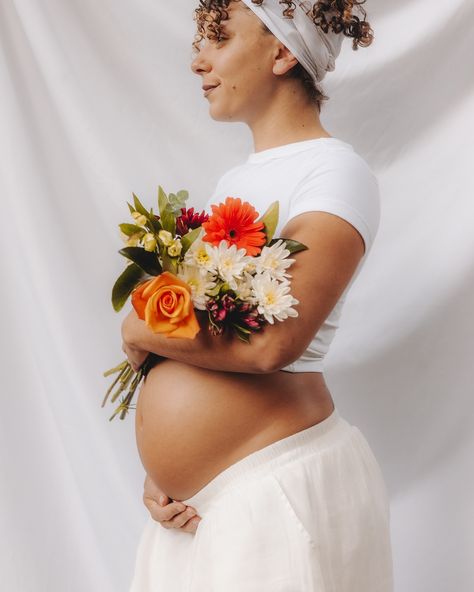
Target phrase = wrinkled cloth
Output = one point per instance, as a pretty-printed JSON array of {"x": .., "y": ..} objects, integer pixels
[
  {"x": 314, "y": 49},
  {"x": 309, "y": 512}
]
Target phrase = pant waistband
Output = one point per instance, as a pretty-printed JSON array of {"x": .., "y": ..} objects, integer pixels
[{"x": 297, "y": 445}]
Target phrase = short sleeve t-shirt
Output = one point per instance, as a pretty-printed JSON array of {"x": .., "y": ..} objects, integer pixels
[{"x": 322, "y": 174}]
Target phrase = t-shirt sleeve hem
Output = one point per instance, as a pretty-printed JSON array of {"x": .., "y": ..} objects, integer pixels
[{"x": 340, "y": 209}]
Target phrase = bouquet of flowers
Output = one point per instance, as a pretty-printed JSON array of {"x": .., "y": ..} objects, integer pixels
[{"x": 227, "y": 264}]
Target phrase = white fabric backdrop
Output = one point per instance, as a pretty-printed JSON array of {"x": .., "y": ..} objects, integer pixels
[{"x": 97, "y": 101}]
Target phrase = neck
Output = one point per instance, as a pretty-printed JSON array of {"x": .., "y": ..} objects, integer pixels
[{"x": 288, "y": 117}]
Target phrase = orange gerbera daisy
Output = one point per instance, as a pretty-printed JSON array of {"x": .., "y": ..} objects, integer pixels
[{"x": 234, "y": 221}]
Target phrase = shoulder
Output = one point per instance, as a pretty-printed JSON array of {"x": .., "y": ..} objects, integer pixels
[
  {"x": 337, "y": 168},
  {"x": 341, "y": 182}
]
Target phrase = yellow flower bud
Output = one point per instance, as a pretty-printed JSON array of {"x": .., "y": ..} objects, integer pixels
[
  {"x": 250, "y": 267},
  {"x": 140, "y": 219},
  {"x": 149, "y": 241},
  {"x": 124, "y": 236},
  {"x": 133, "y": 240},
  {"x": 165, "y": 237},
  {"x": 175, "y": 248}
]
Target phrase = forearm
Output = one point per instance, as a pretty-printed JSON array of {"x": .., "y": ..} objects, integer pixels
[{"x": 225, "y": 352}]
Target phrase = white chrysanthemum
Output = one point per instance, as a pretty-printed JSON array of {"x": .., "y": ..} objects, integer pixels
[
  {"x": 273, "y": 297},
  {"x": 274, "y": 259},
  {"x": 200, "y": 254},
  {"x": 200, "y": 282},
  {"x": 229, "y": 261},
  {"x": 251, "y": 268},
  {"x": 244, "y": 289}
]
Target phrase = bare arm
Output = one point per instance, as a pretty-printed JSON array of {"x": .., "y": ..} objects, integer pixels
[
  {"x": 215, "y": 352},
  {"x": 319, "y": 276}
]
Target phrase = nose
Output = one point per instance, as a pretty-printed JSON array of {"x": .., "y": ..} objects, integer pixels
[{"x": 200, "y": 64}]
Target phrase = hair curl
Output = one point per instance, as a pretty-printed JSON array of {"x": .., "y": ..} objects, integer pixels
[{"x": 336, "y": 15}]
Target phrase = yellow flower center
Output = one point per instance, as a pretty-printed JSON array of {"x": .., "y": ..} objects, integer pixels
[
  {"x": 202, "y": 256},
  {"x": 270, "y": 297}
]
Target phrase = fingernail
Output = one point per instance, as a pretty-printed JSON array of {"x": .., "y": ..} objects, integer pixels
[{"x": 162, "y": 499}]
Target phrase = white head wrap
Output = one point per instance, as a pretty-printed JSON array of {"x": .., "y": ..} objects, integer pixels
[{"x": 312, "y": 47}]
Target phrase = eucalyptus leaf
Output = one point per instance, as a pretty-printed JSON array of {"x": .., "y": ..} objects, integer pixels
[
  {"x": 126, "y": 282},
  {"x": 146, "y": 260},
  {"x": 270, "y": 220},
  {"x": 176, "y": 202}
]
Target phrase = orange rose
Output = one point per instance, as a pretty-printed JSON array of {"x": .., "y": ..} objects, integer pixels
[{"x": 165, "y": 304}]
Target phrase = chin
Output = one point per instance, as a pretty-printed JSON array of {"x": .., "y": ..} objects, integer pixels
[{"x": 221, "y": 115}]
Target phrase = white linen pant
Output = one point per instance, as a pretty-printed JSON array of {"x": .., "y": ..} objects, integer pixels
[{"x": 308, "y": 513}]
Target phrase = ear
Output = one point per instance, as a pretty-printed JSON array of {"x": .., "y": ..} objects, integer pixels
[{"x": 284, "y": 60}]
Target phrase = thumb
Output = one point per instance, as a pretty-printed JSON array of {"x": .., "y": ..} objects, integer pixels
[{"x": 163, "y": 500}]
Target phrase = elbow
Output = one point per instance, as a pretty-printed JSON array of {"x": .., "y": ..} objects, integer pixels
[{"x": 271, "y": 358}]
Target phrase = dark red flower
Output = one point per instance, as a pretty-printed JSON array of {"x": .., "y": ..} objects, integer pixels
[
  {"x": 228, "y": 310},
  {"x": 188, "y": 220}
]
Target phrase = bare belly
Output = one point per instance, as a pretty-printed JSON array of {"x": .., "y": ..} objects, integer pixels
[{"x": 192, "y": 423}]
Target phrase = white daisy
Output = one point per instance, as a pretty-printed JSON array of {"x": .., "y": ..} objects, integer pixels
[
  {"x": 273, "y": 297},
  {"x": 229, "y": 262},
  {"x": 200, "y": 282},
  {"x": 200, "y": 254},
  {"x": 274, "y": 259}
]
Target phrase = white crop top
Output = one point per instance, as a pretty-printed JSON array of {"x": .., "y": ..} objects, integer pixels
[{"x": 320, "y": 174}]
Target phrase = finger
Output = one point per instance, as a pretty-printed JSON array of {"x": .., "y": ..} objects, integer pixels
[
  {"x": 163, "y": 513},
  {"x": 191, "y": 525},
  {"x": 179, "y": 519}
]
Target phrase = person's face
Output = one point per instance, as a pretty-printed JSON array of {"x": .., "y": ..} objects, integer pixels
[{"x": 241, "y": 65}]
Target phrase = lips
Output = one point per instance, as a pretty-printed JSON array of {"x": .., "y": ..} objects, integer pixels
[
  {"x": 209, "y": 86},
  {"x": 208, "y": 89}
]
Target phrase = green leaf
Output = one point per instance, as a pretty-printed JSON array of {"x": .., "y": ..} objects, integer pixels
[
  {"x": 177, "y": 201},
  {"x": 270, "y": 220},
  {"x": 243, "y": 336},
  {"x": 188, "y": 239},
  {"x": 126, "y": 282},
  {"x": 146, "y": 260},
  {"x": 292, "y": 245},
  {"x": 130, "y": 229},
  {"x": 215, "y": 291},
  {"x": 139, "y": 207},
  {"x": 244, "y": 329},
  {"x": 168, "y": 220},
  {"x": 131, "y": 208},
  {"x": 183, "y": 195},
  {"x": 154, "y": 223},
  {"x": 169, "y": 263}
]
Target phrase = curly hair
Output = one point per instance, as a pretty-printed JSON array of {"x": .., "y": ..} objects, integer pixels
[{"x": 336, "y": 15}]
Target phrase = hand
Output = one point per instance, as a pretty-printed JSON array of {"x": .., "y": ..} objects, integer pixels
[
  {"x": 169, "y": 514},
  {"x": 135, "y": 355}
]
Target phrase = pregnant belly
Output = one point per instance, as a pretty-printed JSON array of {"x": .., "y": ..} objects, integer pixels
[{"x": 192, "y": 423}]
